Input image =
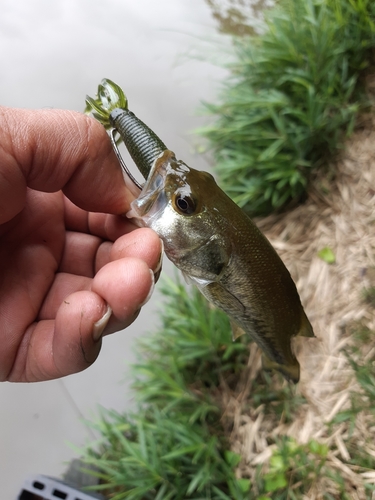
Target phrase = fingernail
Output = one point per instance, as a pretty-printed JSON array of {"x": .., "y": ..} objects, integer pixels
[
  {"x": 151, "y": 289},
  {"x": 157, "y": 270},
  {"x": 99, "y": 326}
]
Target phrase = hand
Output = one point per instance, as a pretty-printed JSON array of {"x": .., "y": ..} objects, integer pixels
[{"x": 72, "y": 269}]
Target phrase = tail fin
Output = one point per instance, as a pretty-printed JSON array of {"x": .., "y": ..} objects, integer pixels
[
  {"x": 290, "y": 372},
  {"x": 109, "y": 97}
]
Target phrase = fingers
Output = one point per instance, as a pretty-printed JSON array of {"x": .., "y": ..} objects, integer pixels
[
  {"x": 79, "y": 254},
  {"x": 66, "y": 337},
  {"x": 76, "y": 344},
  {"x": 141, "y": 243},
  {"x": 118, "y": 272},
  {"x": 84, "y": 254},
  {"x": 126, "y": 285},
  {"x": 52, "y": 349},
  {"x": 105, "y": 226},
  {"x": 13, "y": 187},
  {"x": 49, "y": 150},
  {"x": 70, "y": 343},
  {"x": 62, "y": 287}
]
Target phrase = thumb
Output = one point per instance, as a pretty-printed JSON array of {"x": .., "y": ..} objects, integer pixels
[{"x": 52, "y": 150}]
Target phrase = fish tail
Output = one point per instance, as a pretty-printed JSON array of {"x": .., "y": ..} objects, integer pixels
[
  {"x": 109, "y": 97},
  {"x": 290, "y": 371}
]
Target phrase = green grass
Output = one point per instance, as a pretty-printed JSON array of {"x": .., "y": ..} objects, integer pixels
[
  {"x": 293, "y": 95},
  {"x": 158, "y": 456},
  {"x": 176, "y": 444}
]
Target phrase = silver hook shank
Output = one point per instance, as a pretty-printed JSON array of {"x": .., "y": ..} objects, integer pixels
[{"x": 121, "y": 160}]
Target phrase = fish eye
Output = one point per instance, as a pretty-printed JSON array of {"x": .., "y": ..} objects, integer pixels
[{"x": 184, "y": 204}]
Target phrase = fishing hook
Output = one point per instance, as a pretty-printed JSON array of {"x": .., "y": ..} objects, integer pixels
[{"x": 121, "y": 160}]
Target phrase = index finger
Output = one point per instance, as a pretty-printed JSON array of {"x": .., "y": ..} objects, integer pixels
[{"x": 52, "y": 150}]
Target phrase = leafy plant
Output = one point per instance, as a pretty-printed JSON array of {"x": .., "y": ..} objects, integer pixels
[
  {"x": 295, "y": 466},
  {"x": 327, "y": 255},
  {"x": 294, "y": 93},
  {"x": 175, "y": 445},
  {"x": 156, "y": 456}
]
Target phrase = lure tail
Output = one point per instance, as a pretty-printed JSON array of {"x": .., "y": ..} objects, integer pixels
[{"x": 109, "y": 97}]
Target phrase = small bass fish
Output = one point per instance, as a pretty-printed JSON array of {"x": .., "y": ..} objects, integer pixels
[{"x": 216, "y": 246}]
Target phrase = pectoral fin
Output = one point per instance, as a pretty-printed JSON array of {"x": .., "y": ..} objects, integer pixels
[
  {"x": 306, "y": 329},
  {"x": 237, "y": 331}
]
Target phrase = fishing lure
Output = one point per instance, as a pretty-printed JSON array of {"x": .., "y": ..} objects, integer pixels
[
  {"x": 209, "y": 238},
  {"x": 110, "y": 108}
]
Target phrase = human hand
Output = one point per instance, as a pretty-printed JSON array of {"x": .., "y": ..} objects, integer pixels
[{"x": 71, "y": 268}]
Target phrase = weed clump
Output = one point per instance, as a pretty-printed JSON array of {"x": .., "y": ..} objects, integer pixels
[
  {"x": 293, "y": 96},
  {"x": 175, "y": 446}
]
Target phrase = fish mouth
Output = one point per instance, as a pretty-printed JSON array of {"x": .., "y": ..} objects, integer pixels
[{"x": 152, "y": 199}]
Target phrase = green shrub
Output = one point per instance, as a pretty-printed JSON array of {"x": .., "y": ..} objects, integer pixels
[
  {"x": 293, "y": 94},
  {"x": 156, "y": 456}
]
